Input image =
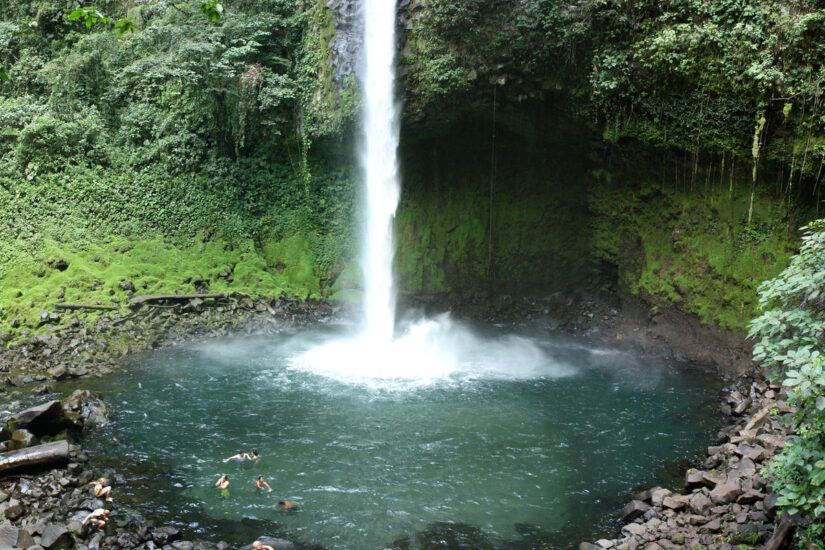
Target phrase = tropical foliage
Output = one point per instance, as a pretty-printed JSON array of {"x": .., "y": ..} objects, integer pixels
[{"x": 791, "y": 332}]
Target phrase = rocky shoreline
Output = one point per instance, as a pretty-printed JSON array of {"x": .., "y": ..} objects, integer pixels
[{"x": 724, "y": 504}]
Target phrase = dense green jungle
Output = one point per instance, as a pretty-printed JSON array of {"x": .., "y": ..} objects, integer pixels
[{"x": 666, "y": 151}]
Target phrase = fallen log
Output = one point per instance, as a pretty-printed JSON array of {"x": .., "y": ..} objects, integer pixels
[
  {"x": 83, "y": 306},
  {"x": 145, "y": 298},
  {"x": 39, "y": 455},
  {"x": 783, "y": 529}
]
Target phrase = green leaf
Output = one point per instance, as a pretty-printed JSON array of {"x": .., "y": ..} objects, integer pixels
[{"x": 3, "y": 76}]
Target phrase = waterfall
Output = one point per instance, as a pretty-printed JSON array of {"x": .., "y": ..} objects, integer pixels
[
  {"x": 379, "y": 162},
  {"x": 425, "y": 351}
]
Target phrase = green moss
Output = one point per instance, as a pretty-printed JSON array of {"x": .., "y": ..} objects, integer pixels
[
  {"x": 690, "y": 249},
  {"x": 92, "y": 274},
  {"x": 294, "y": 262}
]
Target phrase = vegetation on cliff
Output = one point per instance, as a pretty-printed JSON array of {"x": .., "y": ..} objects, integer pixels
[
  {"x": 182, "y": 144},
  {"x": 233, "y": 137},
  {"x": 790, "y": 332}
]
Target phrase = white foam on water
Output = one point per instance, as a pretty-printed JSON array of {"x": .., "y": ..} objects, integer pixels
[{"x": 429, "y": 352}]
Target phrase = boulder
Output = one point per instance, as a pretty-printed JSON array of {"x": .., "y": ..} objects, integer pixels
[
  {"x": 699, "y": 502},
  {"x": 166, "y": 535},
  {"x": 738, "y": 402},
  {"x": 8, "y": 534},
  {"x": 56, "y": 537},
  {"x": 658, "y": 494},
  {"x": 750, "y": 497},
  {"x": 744, "y": 469},
  {"x": 89, "y": 408},
  {"x": 694, "y": 478},
  {"x": 726, "y": 492},
  {"x": 24, "y": 539},
  {"x": 20, "y": 439},
  {"x": 46, "y": 419},
  {"x": 14, "y": 511},
  {"x": 634, "y": 529},
  {"x": 754, "y": 452},
  {"x": 582, "y": 546},
  {"x": 634, "y": 509},
  {"x": 59, "y": 372},
  {"x": 675, "y": 502}
]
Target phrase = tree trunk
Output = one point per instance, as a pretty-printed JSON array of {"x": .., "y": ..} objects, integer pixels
[
  {"x": 144, "y": 298},
  {"x": 39, "y": 455}
]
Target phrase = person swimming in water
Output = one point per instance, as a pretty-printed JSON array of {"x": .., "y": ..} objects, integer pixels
[
  {"x": 239, "y": 458},
  {"x": 258, "y": 545},
  {"x": 255, "y": 456},
  {"x": 260, "y": 484},
  {"x": 288, "y": 506},
  {"x": 223, "y": 485}
]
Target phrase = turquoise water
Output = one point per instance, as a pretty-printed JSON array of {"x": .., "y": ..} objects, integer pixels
[{"x": 511, "y": 457}]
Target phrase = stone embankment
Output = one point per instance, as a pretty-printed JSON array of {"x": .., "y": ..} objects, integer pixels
[
  {"x": 723, "y": 504},
  {"x": 89, "y": 342}
]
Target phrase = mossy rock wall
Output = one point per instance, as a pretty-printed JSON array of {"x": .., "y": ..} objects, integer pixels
[
  {"x": 506, "y": 212},
  {"x": 570, "y": 210}
]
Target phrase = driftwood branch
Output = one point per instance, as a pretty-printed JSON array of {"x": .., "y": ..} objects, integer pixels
[
  {"x": 783, "y": 529},
  {"x": 39, "y": 455},
  {"x": 83, "y": 306},
  {"x": 146, "y": 298}
]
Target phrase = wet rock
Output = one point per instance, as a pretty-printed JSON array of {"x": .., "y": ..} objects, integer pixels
[
  {"x": 165, "y": 535},
  {"x": 127, "y": 286},
  {"x": 58, "y": 372},
  {"x": 634, "y": 509},
  {"x": 92, "y": 411}
]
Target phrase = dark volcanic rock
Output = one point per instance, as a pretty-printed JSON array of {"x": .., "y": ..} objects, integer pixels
[
  {"x": 634, "y": 509},
  {"x": 46, "y": 419},
  {"x": 56, "y": 537}
]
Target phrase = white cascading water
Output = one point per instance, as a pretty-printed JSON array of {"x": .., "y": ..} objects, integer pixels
[
  {"x": 379, "y": 162},
  {"x": 429, "y": 350}
]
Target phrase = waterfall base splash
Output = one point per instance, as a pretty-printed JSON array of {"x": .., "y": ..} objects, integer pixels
[{"x": 429, "y": 352}]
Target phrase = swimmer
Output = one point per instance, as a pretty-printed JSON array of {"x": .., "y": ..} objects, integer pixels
[
  {"x": 223, "y": 485},
  {"x": 260, "y": 484},
  {"x": 101, "y": 490},
  {"x": 239, "y": 458},
  {"x": 288, "y": 506},
  {"x": 99, "y": 517},
  {"x": 255, "y": 456},
  {"x": 258, "y": 545}
]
